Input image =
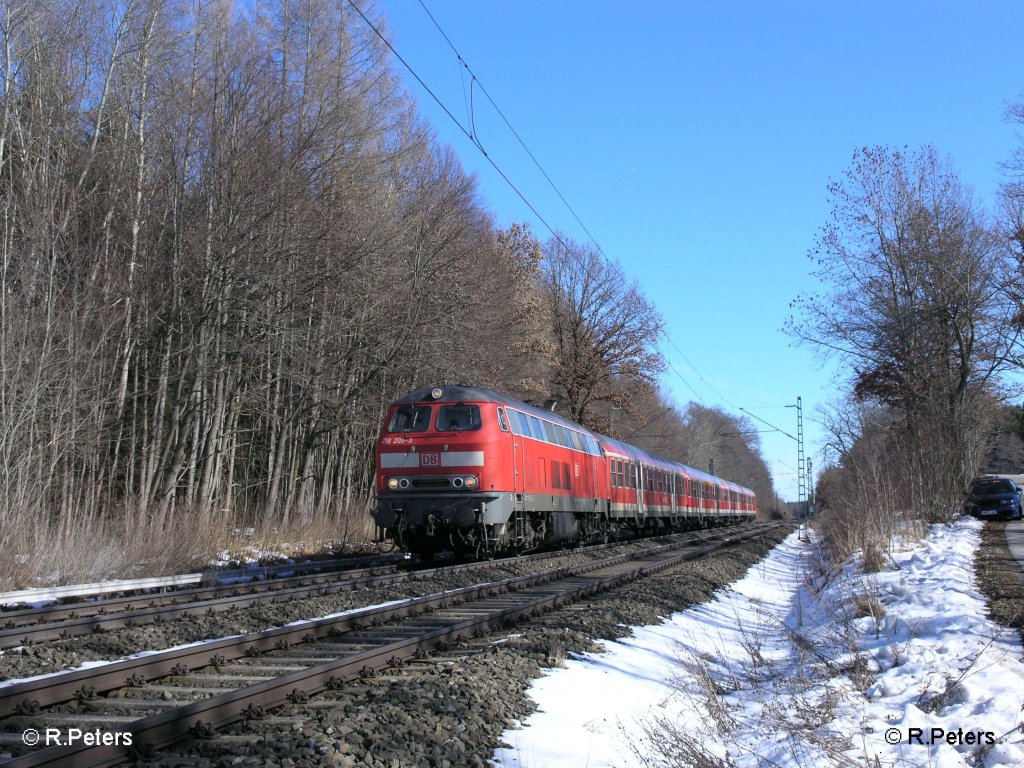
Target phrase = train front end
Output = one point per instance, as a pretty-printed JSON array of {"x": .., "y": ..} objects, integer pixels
[{"x": 440, "y": 480}]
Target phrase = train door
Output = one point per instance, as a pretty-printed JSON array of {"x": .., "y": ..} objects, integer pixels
[
  {"x": 518, "y": 454},
  {"x": 641, "y": 511},
  {"x": 673, "y": 489}
]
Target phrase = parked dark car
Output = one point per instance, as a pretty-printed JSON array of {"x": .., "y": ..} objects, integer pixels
[{"x": 994, "y": 497}]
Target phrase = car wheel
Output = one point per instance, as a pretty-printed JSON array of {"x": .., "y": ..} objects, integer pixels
[{"x": 1020, "y": 513}]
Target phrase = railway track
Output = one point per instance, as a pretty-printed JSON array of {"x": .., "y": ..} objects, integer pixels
[
  {"x": 155, "y": 700},
  {"x": 31, "y": 626}
]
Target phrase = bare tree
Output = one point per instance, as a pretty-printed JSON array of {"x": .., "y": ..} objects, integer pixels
[
  {"x": 914, "y": 307},
  {"x": 605, "y": 331},
  {"x": 228, "y": 241},
  {"x": 1012, "y": 221}
]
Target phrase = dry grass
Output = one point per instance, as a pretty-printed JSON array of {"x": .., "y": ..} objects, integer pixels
[{"x": 36, "y": 553}]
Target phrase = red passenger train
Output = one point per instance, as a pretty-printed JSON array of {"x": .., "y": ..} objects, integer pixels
[{"x": 466, "y": 469}]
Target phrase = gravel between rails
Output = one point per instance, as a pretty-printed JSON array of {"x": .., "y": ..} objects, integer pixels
[{"x": 450, "y": 710}]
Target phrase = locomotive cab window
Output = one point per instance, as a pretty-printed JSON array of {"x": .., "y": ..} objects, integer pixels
[
  {"x": 410, "y": 418},
  {"x": 458, "y": 418}
]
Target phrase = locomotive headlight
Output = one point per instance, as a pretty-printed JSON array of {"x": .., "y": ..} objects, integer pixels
[
  {"x": 393, "y": 483},
  {"x": 471, "y": 482}
]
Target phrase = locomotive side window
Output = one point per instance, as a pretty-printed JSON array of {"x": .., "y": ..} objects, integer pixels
[
  {"x": 577, "y": 440},
  {"x": 537, "y": 429},
  {"x": 524, "y": 424},
  {"x": 458, "y": 418},
  {"x": 561, "y": 433},
  {"x": 410, "y": 418},
  {"x": 549, "y": 432},
  {"x": 517, "y": 428},
  {"x": 502, "y": 422}
]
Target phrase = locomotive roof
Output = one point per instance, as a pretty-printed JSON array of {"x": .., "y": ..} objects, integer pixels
[
  {"x": 466, "y": 393},
  {"x": 469, "y": 393}
]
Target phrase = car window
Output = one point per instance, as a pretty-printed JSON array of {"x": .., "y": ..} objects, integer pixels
[{"x": 992, "y": 485}]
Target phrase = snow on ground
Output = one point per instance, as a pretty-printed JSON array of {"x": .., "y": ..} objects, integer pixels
[{"x": 787, "y": 670}]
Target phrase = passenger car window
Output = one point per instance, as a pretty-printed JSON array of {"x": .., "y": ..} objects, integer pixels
[
  {"x": 410, "y": 418},
  {"x": 458, "y": 418}
]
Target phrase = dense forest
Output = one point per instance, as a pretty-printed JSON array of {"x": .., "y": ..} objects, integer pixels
[{"x": 229, "y": 241}]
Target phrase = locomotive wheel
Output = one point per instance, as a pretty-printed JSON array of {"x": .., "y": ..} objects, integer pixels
[{"x": 387, "y": 546}]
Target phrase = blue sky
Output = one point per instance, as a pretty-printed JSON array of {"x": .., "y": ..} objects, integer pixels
[{"x": 695, "y": 142}]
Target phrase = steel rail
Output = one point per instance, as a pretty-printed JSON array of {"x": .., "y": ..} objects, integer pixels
[
  {"x": 257, "y": 574},
  {"x": 156, "y": 731},
  {"x": 28, "y": 627},
  {"x": 52, "y": 614}
]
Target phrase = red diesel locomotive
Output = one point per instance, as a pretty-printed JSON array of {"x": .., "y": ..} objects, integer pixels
[{"x": 466, "y": 469}]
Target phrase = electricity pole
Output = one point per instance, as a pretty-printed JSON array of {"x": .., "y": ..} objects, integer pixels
[{"x": 800, "y": 463}]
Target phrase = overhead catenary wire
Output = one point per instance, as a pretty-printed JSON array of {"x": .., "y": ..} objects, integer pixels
[
  {"x": 475, "y": 80},
  {"x": 468, "y": 133},
  {"x": 472, "y": 134}
]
